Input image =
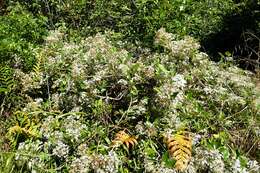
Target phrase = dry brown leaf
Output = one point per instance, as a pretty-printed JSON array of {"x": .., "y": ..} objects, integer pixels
[
  {"x": 123, "y": 138},
  {"x": 180, "y": 146}
]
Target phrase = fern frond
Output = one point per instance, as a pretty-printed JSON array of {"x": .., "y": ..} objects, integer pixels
[
  {"x": 24, "y": 128},
  {"x": 123, "y": 138},
  {"x": 37, "y": 68},
  {"x": 180, "y": 146},
  {"x": 6, "y": 79}
]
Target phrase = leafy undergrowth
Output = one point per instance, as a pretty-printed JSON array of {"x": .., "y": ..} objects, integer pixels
[{"x": 93, "y": 107}]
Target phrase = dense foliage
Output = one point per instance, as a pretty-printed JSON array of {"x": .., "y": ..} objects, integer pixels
[
  {"x": 81, "y": 94},
  {"x": 20, "y": 33},
  {"x": 124, "y": 86},
  {"x": 135, "y": 20},
  {"x": 220, "y": 25}
]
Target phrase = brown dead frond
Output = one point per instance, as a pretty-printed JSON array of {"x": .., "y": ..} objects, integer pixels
[
  {"x": 123, "y": 138},
  {"x": 180, "y": 146}
]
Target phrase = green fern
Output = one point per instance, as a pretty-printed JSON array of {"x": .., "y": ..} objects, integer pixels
[
  {"x": 37, "y": 68},
  {"x": 6, "y": 79},
  {"x": 7, "y": 162}
]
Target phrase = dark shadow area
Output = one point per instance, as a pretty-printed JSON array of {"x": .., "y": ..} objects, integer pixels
[
  {"x": 3, "y": 7},
  {"x": 240, "y": 36}
]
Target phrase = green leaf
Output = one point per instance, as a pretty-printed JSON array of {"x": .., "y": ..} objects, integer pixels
[{"x": 166, "y": 158}]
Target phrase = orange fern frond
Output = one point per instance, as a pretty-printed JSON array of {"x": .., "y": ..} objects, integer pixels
[
  {"x": 180, "y": 146},
  {"x": 123, "y": 138}
]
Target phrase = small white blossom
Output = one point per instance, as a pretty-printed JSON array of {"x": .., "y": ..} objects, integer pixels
[
  {"x": 253, "y": 166},
  {"x": 61, "y": 150},
  {"x": 179, "y": 81},
  {"x": 196, "y": 139},
  {"x": 54, "y": 36}
]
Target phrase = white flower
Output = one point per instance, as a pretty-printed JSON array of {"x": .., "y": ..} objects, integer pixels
[
  {"x": 178, "y": 99},
  {"x": 196, "y": 139},
  {"x": 73, "y": 128},
  {"x": 140, "y": 128},
  {"x": 54, "y": 36},
  {"x": 61, "y": 150},
  {"x": 208, "y": 90},
  {"x": 80, "y": 165},
  {"x": 237, "y": 168},
  {"x": 179, "y": 81},
  {"x": 217, "y": 165},
  {"x": 229, "y": 58},
  {"x": 253, "y": 166},
  {"x": 122, "y": 81},
  {"x": 106, "y": 163}
]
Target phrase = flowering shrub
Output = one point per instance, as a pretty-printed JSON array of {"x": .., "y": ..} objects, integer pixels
[{"x": 81, "y": 94}]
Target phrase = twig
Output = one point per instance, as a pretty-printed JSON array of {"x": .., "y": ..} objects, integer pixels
[
  {"x": 2, "y": 106},
  {"x": 126, "y": 112},
  {"x": 119, "y": 97}
]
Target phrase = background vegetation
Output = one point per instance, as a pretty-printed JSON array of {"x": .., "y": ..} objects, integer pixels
[{"x": 73, "y": 73}]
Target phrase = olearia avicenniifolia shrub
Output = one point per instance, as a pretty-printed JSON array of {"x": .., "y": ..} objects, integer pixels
[{"x": 86, "y": 93}]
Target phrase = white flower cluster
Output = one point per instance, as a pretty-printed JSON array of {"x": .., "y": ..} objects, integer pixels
[
  {"x": 196, "y": 139},
  {"x": 181, "y": 49},
  {"x": 237, "y": 168},
  {"x": 71, "y": 130},
  {"x": 171, "y": 94},
  {"x": 208, "y": 159},
  {"x": 105, "y": 163},
  {"x": 80, "y": 165},
  {"x": 212, "y": 160},
  {"x": 27, "y": 153},
  {"x": 31, "y": 81},
  {"x": 54, "y": 36},
  {"x": 151, "y": 167},
  {"x": 61, "y": 150},
  {"x": 146, "y": 128},
  {"x": 33, "y": 106},
  {"x": 253, "y": 166},
  {"x": 27, "y": 146},
  {"x": 47, "y": 128},
  {"x": 74, "y": 128},
  {"x": 179, "y": 82}
]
